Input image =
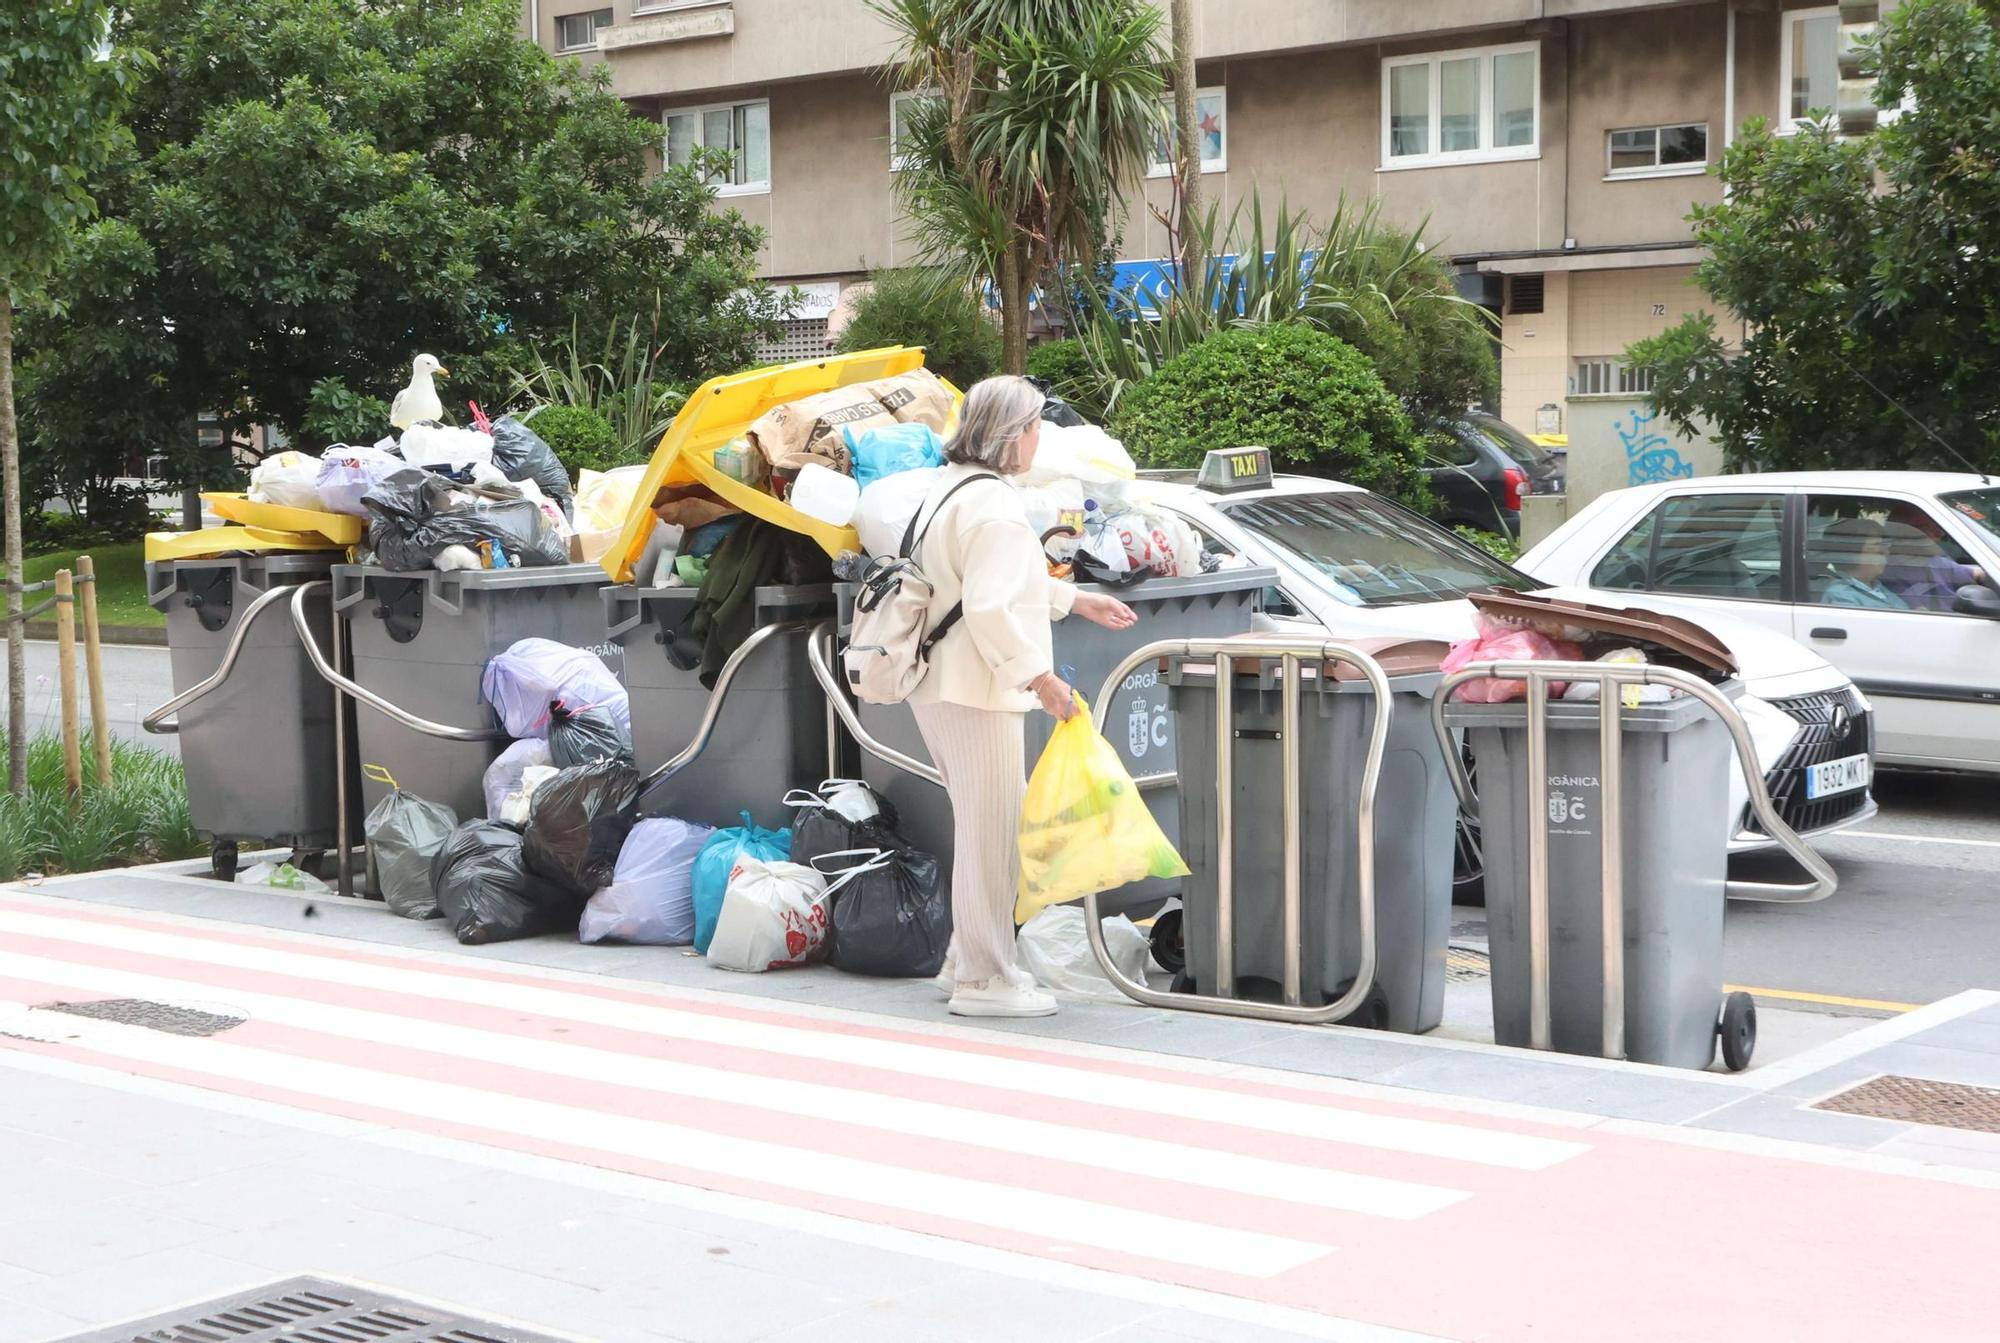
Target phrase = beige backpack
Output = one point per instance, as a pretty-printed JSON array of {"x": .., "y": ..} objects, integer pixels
[{"x": 890, "y": 639}]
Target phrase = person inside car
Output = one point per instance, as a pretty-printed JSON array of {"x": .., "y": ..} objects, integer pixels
[{"x": 1853, "y": 547}]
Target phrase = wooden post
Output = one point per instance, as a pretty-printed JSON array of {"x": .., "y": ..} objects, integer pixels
[
  {"x": 66, "y": 676},
  {"x": 93, "y": 670}
]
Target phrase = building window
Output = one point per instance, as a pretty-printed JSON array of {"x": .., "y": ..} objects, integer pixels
[
  {"x": 1460, "y": 106},
  {"x": 1609, "y": 377},
  {"x": 1809, "y": 65},
  {"x": 1656, "y": 151},
  {"x": 741, "y": 130},
  {"x": 1211, "y": 128},
  {"x": 578, "y": 32},
  {"x": 902, "y": 107}
]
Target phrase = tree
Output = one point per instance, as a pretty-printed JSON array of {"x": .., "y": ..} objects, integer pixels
[
  {"x": 321, "y": 189},
  {"x": 931, "y": 309},
  {"x": 1038, "y": 113},
  {"x": 1866, "y": 273},
  {"x": 1187, "y": 142},
  {"x": 60, "y": 99}
]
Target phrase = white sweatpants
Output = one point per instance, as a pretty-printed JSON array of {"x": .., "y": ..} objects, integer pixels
[{"x": 981, "y": 755}]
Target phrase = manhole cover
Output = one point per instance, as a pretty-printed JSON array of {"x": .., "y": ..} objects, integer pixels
[
  {"x": 172, "y": 1018},
  {"x": 1465, "y": 963},
  {"x": 1919, "y": 1100},
  {"x": 310, "y": 1310}
]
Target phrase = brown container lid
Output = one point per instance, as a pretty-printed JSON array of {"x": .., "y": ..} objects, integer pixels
[{"x": 1633, "y": 623}]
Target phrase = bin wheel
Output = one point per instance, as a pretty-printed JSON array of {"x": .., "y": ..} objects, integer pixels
[
  {"x": 222, "y": 860},
  {"x": 310, "y": 861},
  {"x": 1182, "y": 983},
  {"x": 1737, "y": 1029},
  {"x": 1169, "y": 950}
]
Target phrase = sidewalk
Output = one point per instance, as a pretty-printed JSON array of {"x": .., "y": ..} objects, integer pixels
[{"x": 617, "y": 1143}]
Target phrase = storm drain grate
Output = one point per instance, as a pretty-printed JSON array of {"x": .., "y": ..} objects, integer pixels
[
  {"x": 168, "y": 1017},
  {"x": 310, "y": 1310},
  {"x": 1919, "y": 1100},
  {"x": 1464, "y": 964}
]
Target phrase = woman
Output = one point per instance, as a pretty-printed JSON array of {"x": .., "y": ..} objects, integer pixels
[
  {"x": 985, "y": 675},
  {"x": 1855, "y": 552}
]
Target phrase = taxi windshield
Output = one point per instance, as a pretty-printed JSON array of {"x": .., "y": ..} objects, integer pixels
[{"x": 1372, "y": 552}]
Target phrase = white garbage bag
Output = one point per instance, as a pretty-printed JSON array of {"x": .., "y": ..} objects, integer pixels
[
  {"x": 522, "y": 682},
  {"x": 503, "y": 776},
  {"x": 651, "y": 896},
  {"x": 443, "y": 448},
  {"x": 282, "y": 877},
  {"x": 604, "y": 500},
  {"x": 518, "y": 805},
  {"x": 287, "y": 479},
  {"x": 773, "y": 916},
  {"x": 1078, "y": 452},
  {"x": 887, "y": 506},
  {"x": 1054, "y": 947},
  {"x": 345, "y": 474}
]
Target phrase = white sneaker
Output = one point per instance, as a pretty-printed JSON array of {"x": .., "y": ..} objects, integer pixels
[
  {"x": 946, "y": 978},
  {"x": 1001, "y": 997}
]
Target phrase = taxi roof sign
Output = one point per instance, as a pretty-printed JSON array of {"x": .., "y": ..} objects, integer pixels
[{"x": 1228, "y": 470}]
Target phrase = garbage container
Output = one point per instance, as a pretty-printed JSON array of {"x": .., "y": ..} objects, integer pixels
[
  {"x": 1415, "y": 814},
  {"x": 421, "y": 640},
  {"x": 258, "y": 749},
  {"x": 1675, "y": 762},
  {"x": 1200, "y": 607},
  {"x": 770, "y": 733}
]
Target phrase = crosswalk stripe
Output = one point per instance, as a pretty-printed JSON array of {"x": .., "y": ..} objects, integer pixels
[
  {"x": 1228, "y": 1171},
  {"x": 919, "y": 1056},
  {"x": 524, "y": 1122}
]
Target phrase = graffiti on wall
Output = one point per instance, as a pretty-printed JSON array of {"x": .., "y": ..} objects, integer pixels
[{"x": 1649, "y": 455}]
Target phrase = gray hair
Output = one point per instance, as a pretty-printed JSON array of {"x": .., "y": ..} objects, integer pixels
[{"x": 997, "y": 411}]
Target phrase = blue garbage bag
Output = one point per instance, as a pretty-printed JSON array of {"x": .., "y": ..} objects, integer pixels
[
  {"x": 890, "y": 449},
  {"x": 715, "y": 861}
]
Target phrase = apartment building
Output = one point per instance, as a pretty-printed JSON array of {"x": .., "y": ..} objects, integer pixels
[{"x": 1554, "y": 147}]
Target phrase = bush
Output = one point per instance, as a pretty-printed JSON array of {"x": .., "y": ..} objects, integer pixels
[
  {"x": 119, "y": 513},
  {"x": 1499, "y": 546},
  {"x": 922, "y": 307},
  {"x": 1063, "y": 365},
  {"x": 143, "y": 820},
  {"x": 583, "y": 439},
  {"x": 1310, "y": 398}
]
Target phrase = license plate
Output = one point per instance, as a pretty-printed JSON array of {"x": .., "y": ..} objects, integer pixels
[{"x": 1837, "y": 776}]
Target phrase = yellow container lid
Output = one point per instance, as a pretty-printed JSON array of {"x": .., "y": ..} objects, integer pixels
[
  {"x": 722, "y": 409},
  {"x": 228, "y": 540},
  {"x": 341, "y": 528}
]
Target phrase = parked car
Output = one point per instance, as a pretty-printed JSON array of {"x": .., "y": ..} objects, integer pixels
[
  {"x": 1485, "y": 468},
  {"x": 1358, "y": 565},
  {"x": 1892, "y": 576}
]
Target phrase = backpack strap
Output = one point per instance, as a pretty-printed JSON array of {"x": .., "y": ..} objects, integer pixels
[{"x": 914, "y": 539}]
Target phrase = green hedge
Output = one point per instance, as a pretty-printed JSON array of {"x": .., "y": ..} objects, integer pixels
[
  {"x": 919, "y": 307},
  {"x": 1312, "y": 399},
  {"x": 582, "y": 438}
]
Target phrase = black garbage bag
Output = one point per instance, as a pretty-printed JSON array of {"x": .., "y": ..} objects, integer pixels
[
  {"x": 892, "y": 921},
  {"x": 585, "y": 736},
  {"x": 844, "y": 814},
  {"x": 411, "y": 518},
  {"x": 1055, "y": 410},
  {"x": 521, "y": 454},
  {"x": 486, "y": 892},
  {"x": 558, "y": 847}
]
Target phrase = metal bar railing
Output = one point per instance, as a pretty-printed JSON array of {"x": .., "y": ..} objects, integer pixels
[
  {"x": 836, "y": 698},
  {"x": 361, "y": 694},
  {"x": 156, "y": 721},
  {"x": 1222, "y": 653},
  {"x": 1611, "y": 680}
]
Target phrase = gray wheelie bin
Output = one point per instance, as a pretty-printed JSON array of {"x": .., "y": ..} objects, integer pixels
[
  {"x": 1139, "y": 725},
  {"x": 258, "y": 748},
  {"x": 1676, "y": 761},
  {"x": 770, "y": 733},
  {"x": 1415, "y": 814},
  {"x": 421, "y": 640}
]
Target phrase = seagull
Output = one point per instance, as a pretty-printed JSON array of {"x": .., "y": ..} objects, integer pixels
[{"x": 419, "y": 401}]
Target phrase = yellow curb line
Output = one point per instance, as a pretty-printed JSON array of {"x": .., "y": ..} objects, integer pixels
[{"x": 1830, "y": 999}]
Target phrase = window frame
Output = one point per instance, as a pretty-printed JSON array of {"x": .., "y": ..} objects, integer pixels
[
  {"x": 1789, "y": 562},
  {"x": 901, "y": 162},
  {"x": 1435, "y": 60},
  {"x": 1922, "y": 503},
  {"x": 1788, "y": 124},
  {"x": 698, "y": 112},
  {"x": 610, "y": 17},
  {"x": 1657, "y": 168},
  {"x": 1219, "y": 164}
]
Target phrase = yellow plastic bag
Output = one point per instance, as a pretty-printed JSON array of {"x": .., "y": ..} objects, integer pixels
[{"x": 1084, "y": 826}]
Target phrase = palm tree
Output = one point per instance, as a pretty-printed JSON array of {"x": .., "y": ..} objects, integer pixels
[{"x": 1035, "y": 114}]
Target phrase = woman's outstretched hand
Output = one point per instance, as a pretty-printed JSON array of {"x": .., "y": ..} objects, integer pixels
[
  {"x": 1109, "y": 612},
  {"x": 1058, "y": 699}
]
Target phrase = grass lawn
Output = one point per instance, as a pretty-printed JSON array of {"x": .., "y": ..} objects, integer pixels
[{"x": 121, "y": 583}]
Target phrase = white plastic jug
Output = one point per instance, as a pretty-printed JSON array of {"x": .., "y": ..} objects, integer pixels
[{"x": 826, "y": 494}]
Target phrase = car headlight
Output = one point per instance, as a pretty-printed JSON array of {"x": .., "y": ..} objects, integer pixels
[{"x": 1771, "y": 730}]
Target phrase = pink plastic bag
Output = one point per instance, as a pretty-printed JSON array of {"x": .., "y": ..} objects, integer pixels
[{"x": 1505, "y": 643}]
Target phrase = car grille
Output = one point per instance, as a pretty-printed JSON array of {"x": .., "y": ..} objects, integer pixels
[{"x": 1817, "y": 743}]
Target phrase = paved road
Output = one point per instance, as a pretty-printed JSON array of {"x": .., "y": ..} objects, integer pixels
[
  {"x": 135, "y": 680},
  {"x": 1242, "y": 1184},
  {"x": 1917, "y": 917}
]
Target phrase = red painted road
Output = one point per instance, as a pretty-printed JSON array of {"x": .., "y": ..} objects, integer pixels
[{"x": 1409, "y": 1215}]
